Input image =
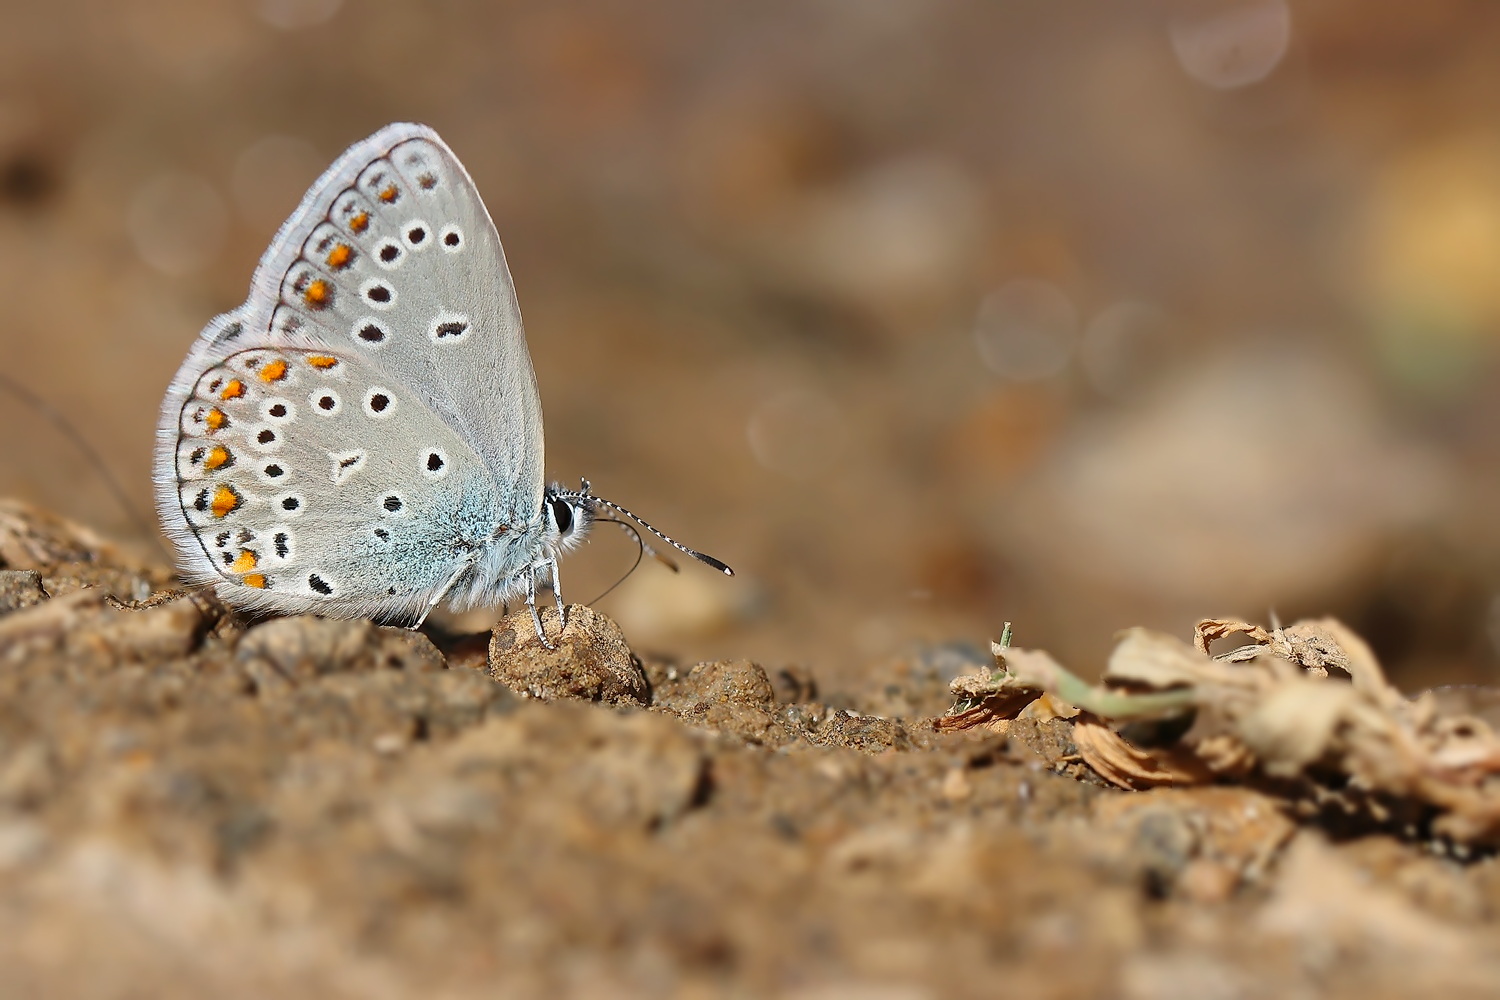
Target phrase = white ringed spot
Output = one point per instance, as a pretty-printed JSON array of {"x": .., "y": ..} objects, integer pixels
[
  {"x": 416, "y": 234},
  {"x": 325, "y": 402},
  {"x": 433, "y": 463},
  {"x": 279, "y": 411},
  {"x": 380, "y": 404},
  {"x": 263, "y": 437},
  {"x": 370, "y": 333},
  {"x": 378, "y": 293},
  {"x": 449, "y": 328},
  {"x": 389, "y": 254}
]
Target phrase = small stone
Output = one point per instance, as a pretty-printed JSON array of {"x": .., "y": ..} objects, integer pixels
[
  {"x": 20, "y": 588},
  {"x": 734, "y": 697},
  {"x": 591, "y": 661},
  {"x": 869, "y": 733},
  {"x": 733, "y": 682}
]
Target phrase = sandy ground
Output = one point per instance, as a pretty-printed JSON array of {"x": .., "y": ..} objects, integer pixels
[{"x": 194, "y": 805}]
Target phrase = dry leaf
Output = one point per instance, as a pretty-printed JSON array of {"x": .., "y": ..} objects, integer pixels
[
  {"x": 1294, "y": 725},
  {"x": 1155, "y": 660},
  {"x": 1120, "y": 762}
]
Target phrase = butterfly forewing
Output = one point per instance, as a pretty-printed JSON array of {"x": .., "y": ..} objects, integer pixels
[{"x": 393, "y": 253}]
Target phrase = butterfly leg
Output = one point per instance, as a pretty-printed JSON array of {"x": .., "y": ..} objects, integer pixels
[
  {"x": 562, "y": 610},
  {"x": 536, "y": 616}
]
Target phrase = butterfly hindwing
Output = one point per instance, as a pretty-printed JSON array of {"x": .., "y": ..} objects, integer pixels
[{"x": 298, "y": 492}]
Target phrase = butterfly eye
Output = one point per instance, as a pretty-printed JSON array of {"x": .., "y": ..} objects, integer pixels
[{"x": 562, "y": 515}]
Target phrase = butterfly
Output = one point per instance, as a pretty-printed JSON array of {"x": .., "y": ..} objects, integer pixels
[{"x": 362, "y": 438}]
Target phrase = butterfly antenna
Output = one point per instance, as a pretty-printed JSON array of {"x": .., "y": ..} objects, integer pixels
[
  {"x": 65, "y": 427},
  {"x": 646, "y": 548},
  {"x": 704, "y": 558}
]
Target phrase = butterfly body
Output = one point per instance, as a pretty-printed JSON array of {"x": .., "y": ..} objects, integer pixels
[{"x": 363, "y": 436}]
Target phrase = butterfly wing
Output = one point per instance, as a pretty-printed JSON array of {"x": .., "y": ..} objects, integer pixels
[
  {"x": 310, "y": 480},
  {"x": 391, "y": 264}
]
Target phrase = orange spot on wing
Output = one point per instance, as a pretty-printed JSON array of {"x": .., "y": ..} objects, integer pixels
[
  {"x": 390, "y": 194},
  {"x": 256, "y": 580},
  {"x": 234, "y": 390},
  {"x": 217, "y": 456},
  {"x": 274, "y": 371},
  {"x": 322, "y": 361},
  {"x": 244, "y": 562},
  {"x": 318, "y": 294},
  {"x": 225, "y": 501},
  {"x": 360, "y": 222},
  {"x": 340, "y": 256},
  {"x": 216, "y": 419}
]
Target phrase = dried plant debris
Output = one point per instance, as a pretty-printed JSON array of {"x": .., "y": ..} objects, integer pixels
[{"x": 1304, "y": 712}]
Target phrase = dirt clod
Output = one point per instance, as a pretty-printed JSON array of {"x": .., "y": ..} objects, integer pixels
[
  {"x": 730, "y": 697},
  {"x": 20, "y": 588},
  {"x": 590, "y": 662}
]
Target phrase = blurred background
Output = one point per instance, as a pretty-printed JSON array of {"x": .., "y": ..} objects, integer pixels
[{"x": 925, "y": 315}]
